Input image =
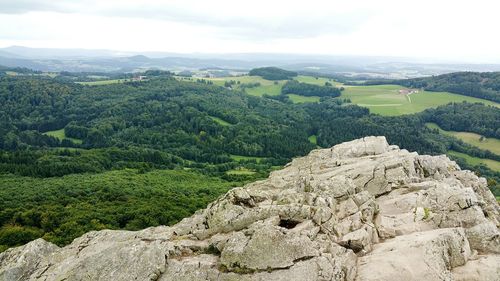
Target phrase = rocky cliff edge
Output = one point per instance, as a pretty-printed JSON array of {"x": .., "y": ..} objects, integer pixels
[{"x": 362, "y": 210}]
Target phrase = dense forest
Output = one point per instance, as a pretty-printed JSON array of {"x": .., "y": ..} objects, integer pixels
[
  {"x": 467, "y": 117},
  {"x": 138, "y": 154},
  {"x": 485, "y": 85},
  {"x": 272, "y": 73},
  {"x": 308, "y": 90}
]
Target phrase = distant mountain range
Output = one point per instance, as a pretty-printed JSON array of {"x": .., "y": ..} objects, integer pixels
[{"x": 77, "y": 60}]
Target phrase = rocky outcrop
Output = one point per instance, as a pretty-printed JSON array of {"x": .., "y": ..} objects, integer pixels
[{"x": 362, "y": 210}]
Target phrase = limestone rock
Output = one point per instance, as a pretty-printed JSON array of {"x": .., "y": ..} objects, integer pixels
[
  {"x": 18, "y": 263},
  {"x": 484, "y": 268},
  {"x": 424, "y": 255},
  {"x": 361, "y": 210}
]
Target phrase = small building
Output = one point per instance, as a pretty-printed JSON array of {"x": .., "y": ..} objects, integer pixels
[{"x": 139, "y": 78}]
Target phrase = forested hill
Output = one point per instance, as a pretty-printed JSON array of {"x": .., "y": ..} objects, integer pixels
[
  {"x": 485, "y": 85},
  {"x": 466, "y": 117},
  {"x": 74, "y": 158},
  {"x": 166, "y": 123},
  {"x": 272, "y": 73}
]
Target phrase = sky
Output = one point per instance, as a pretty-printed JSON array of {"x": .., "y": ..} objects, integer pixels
[{"x": 445, "y": 29}]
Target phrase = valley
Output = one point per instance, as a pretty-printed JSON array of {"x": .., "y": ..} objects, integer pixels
[{"x": 92, "y": 147}]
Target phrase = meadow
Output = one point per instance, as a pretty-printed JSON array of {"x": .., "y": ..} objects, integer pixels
[
  {"x": 386, "y": 100},
  {"x": 301, "y": 99},
  {"x": 220, "y": 121},
  {"x": 491, "y": 144},
  {"x": 271, "y": 88},
  {"x": 492, "y": 164},
  {"x": 59, "y": 134},
  {"x": 320, "y": 81},
  {"x": 104, "y": 82},
  {"x": 313, "y": 139},
  {"x": 241, "y": 158}
]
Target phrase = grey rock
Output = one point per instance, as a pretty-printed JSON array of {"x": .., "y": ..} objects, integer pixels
[
  {"x": 18, "y": 263},
  {"x": 361, "y": 210},
  {"x": 483, "y": 268},
  {"x": 424, "y": 255}
]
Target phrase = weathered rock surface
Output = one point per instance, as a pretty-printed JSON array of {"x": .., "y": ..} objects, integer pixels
[{"x": 362, "y": 210}]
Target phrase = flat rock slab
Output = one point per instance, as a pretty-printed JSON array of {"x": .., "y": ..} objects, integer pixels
[{"x": 425, "y": 255}]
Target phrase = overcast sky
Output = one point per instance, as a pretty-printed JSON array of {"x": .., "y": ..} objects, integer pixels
[{"x": 446, "y": 29}]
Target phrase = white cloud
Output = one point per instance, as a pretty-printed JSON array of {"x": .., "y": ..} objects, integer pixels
[{"x": 426, "y": 28}]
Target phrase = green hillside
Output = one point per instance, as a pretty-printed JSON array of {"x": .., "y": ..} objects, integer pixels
[
  {"x": 386, "y": 99},
  {"x": 75, "y": 158}
]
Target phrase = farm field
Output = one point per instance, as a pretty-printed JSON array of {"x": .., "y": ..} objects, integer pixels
[
  {"x": 385, "y": 99},
  {"x": 246, "y": 158},
  {"x": 272, "y": 90},
  {"x": 490, "y": 144},
  {"x": 302, "y": 99},
  {"x": 266, "y": 86},
  {"x": 60, "y": 135},
  {"x": 105, "y": 82},
  {"x": 492, "y": 164},
  {"x": 320, "y": 81}
]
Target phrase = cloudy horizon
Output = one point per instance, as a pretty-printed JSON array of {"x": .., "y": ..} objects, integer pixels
[{"x": 446, "y": 30}]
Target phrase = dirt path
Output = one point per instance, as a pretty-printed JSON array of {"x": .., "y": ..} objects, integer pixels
[{"x": 408, "y": 96}]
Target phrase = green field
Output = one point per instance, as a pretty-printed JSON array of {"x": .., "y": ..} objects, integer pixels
[
  {"x": 302, "y": 99},
  {"x": 490, "y": 144},
  {"x": 60, "y": 135},
  {"x": 105, "y": 82},
  {"x": 272, "y": 90},
  {"x": 313, "y": 139},
  {"x": 246, "y": 158},
  {"x": 385, "y": 99},
  {"x": 49, "y": 74},
  {"x": 266, "y": 86},
  {"x": 492, "y": 164},
  {"x": 316, "y": 81},
  {"x": 241, "y": 171},
  {"x": 220, "y": 121}
]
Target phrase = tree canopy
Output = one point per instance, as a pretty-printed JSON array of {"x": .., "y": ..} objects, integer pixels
[{"x": 272, "y": 73}]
